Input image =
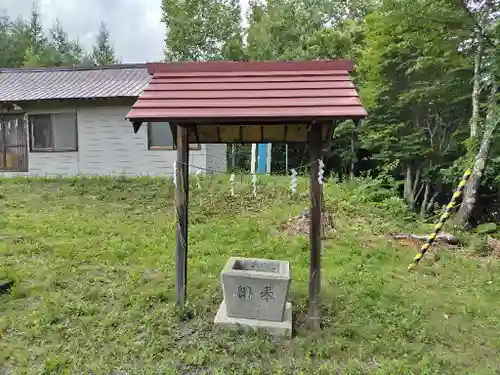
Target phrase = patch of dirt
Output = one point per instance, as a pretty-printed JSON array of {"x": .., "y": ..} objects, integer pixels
[
  {"x": 494, "y": 247},
  {"x": 415, "y": 242},
  {"x": 415, "y": 245},
  {"x": 299, "y": 225}
]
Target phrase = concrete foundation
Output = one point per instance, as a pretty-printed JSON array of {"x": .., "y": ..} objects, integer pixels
[{"x": 281, "y": 329}]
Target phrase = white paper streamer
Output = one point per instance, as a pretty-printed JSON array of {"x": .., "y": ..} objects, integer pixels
[
  {"x": 321, "y": 171},
  {"x": 254, "y": 184},
  {"x": 231, "y": 184},
  {"x": 293, "y": 183},
  {"x": 198, "y": 180},
  {"x": 174, "y": 176}
]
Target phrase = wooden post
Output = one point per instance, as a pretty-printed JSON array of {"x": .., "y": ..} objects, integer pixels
[
  {"x": 181, "y": 205},
  {"x": 316, "y": 189}
]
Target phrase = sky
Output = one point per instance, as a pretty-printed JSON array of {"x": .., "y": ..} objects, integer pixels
[{"x": 134, "y": 25}]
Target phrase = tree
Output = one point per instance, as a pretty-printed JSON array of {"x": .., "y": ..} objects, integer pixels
[
  {"x": 6, "y": 57},
  {"x": 485, "y": 18},
  {"x": 65, "y": 52},
  {"x": 36, "y": 36},
  {"x": 202, "y": 29},
  {"x": 24, "y": 43},
  {"x": 409, "y": 72},
  {"x": 103, "y": 51}
]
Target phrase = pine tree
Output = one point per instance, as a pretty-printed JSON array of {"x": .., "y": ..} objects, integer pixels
[
  {"x": 103, "y": 52},
  {"x": 36, "y": 35}
]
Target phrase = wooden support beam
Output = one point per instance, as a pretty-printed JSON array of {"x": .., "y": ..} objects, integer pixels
[
  {"x": 316, "y": 192},
  {"x": 181, "y": 205}
]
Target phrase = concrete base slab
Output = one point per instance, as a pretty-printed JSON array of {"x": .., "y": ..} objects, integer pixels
[{"x": 282, "y": 329}]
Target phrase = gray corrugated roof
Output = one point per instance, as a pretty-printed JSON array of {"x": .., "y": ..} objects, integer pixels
[{"x": 72, "y": 83}]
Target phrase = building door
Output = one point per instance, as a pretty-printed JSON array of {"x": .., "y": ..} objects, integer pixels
[{"x": 13, "y": 143}]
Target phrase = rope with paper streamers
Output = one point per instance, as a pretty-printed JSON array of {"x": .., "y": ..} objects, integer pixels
[
  {"x": 293, "y": 173},
  {"x": 174, "y": 175},
  {"x": 254, "y": 184},
  {"x": 198, "y": 180},
  {"x": 14, "y": 124},
  {"x": 293, "y": 183},
  {"x": 321, "y": 171},
  {"x": 231, "y": 183},
  {"x": 445, "y": 215}
]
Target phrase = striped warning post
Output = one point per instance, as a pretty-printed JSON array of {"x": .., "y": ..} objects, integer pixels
[{"x": 446, "y": 214}]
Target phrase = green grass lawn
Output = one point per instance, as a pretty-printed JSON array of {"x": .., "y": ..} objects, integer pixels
[{"x": 94, "y": 267}]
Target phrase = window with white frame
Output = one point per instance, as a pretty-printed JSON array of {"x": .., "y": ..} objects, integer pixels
[
  {"x": 160, "y": 137},
  {"x": 53, "y": 132}
]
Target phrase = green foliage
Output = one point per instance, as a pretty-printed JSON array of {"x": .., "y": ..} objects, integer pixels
[
  {"x": 486, "y": 228},
  {"x": 66, "y": 52},
  {"x": 103, "y": 52},
  {"x": 202, "y": 29},
  {"x": 380, "y": 195},
  {"x": 478, "y": 245},
  {"x": 24, "y": 43}
]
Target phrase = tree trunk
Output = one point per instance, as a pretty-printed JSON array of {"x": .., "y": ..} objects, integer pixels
[
  {"x": 414, "y": 192},
  {"x": 408, "y": 187},
  {"x": 497, "y": 215},
  {"x": 352, "y": 5},
  {"x": 411, "y": 185},
  {"x": 472, "y": 187},
  {"x": 352, "y": 168},
  {"x": 433, "y": 199},
  {"x": 425, "y": 204},
  {"x": 476, "y": 88}
]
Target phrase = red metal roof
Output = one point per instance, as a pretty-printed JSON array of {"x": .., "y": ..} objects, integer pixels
[{"x": 226, "y": 92}]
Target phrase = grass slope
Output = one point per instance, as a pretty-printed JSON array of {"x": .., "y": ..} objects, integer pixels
[{"x": 94, "y": 270}]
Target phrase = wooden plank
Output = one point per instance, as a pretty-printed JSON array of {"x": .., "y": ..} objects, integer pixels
[
  {"x": 181, "y": 205},
  {"x": 296, "y": 133},
  {"x": 274, "y": 133},
  {"x": 316, "y": 191},
  {"x": 230, "y": 134},
  {"x": 252, "y": 134},
  {"x": 207, "y": 133}
]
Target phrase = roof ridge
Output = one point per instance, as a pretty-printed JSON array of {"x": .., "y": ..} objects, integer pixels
[
  {"x": 75, "y": 68},
  {"x": 249, "y": 66}
]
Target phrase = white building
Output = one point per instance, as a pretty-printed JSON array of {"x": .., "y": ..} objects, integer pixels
[{"x": 71, "y": 121}]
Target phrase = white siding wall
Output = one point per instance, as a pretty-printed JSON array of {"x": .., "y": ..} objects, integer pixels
[
  {"x": 107, "y": 145},
  {"x": 216, "y": 157}
]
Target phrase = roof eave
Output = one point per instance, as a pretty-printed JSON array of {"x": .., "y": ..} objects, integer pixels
[
  {"x": 239, "y": 121},
  {"x": 14, "y": 101}
]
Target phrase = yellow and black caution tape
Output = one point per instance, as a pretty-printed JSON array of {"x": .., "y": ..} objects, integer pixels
[{"x": 446, "y": 214}]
